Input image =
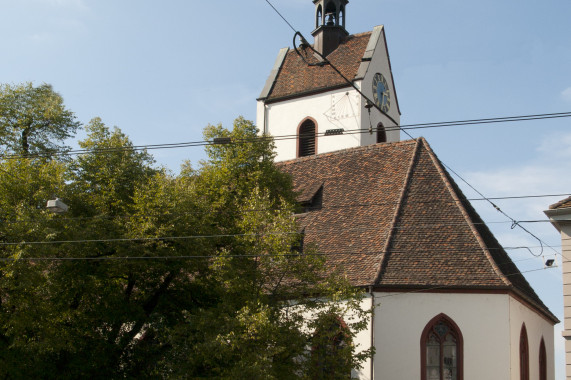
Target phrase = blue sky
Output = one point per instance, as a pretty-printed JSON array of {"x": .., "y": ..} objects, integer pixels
[{"x": 161, "y": 71}]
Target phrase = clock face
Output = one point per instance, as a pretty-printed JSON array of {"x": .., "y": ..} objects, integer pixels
[{"x": 381, "y": 93}]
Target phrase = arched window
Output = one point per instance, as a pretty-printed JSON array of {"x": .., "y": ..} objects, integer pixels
[
  {"x": 331, "y": 349},
  {"x": 381, "y": 133},
  {"x": 441, "y": 347},
  {"x": 306, "y": 140},
  {"x": 542, "y": 361},
  {"x": 523, "y": 354},
  {"x": 331, "y": 14},
  {"x": 342, "y": 16},
  {"x": 319, "y": 17}
]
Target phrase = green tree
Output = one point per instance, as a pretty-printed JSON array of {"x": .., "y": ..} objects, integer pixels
[
  {"x": 188, "y": 276},
  {"x": 34, "y": 120}
]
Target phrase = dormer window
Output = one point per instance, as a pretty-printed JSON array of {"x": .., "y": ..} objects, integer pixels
[{"x": 311, "y": 197}]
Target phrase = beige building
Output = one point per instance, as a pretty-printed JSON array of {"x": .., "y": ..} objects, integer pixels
[{"x": 560, "y": 216}]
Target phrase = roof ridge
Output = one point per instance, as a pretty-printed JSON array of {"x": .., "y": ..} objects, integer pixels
[
  {"x": 441, "y": 170},
  {"x": 560, "y": 203},
  {"x": 398, "y": 208},
  {"x": 352, "y": 150},
  {"x": 362, "y": 33}
]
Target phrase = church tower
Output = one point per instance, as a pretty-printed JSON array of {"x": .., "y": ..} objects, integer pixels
[{"x": 314, "y": 106}]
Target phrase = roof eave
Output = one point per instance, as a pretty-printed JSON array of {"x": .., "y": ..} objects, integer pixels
[
  {"x": 559, "y": 217},
  {"x": 545, "y": 313},
  {"x": 270, "y": 82},
  {"x": 305, "y": 93}
]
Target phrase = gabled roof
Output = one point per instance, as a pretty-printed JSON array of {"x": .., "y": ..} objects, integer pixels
[
  {"x": 295, "y": 78},
  {"x": 564, "y": 203},
  {"x": 393, "y": 218}
]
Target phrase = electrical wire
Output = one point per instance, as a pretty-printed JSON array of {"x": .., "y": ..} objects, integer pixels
[
  {"x": 209, "y": 257},
  {"x": 432, "y": 288},
  {"x": 325, "y": 61},
  {"x": 403, "y": 128},
  {"x": 283, "y": 18},
  {"x": 59, "y": 218},
  {"x": 515, "y": 223},
  {"x": 403, "y": 230}
]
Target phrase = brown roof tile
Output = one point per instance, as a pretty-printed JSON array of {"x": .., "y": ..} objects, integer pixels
[
  {"x": 564, "y": 203},
  {"x": 392, "y": 217},
  {"x": 297, "y": 78}
]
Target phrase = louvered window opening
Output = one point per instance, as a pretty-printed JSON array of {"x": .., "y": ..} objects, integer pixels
[{"x": 307, "y": 139}]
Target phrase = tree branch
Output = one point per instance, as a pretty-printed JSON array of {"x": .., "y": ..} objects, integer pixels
[{"x": 148, "y": 307}]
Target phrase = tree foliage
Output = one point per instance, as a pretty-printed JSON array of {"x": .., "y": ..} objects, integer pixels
[
  {"x": 152, "y": 275},
  {"x": 33, "y": 120}
]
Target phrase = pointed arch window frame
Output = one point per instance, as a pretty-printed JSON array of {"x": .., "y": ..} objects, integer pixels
[
  {"x": 330, "y": 337},
  {"x": 455, "y": 332},
  {"x": 523, "y": 354},
  {"x": 299, "y": 137},
  {"x": 327, "y": 10},
  {"x": 319, "y": 17},
  {"x": 542, "y": 360},
  {"x": 381, "y": 133}
]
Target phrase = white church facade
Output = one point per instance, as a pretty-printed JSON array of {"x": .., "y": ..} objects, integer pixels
[{"x": 449, "y": 302}]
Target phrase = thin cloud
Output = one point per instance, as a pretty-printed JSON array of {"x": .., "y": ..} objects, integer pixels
[
  {"x": 556, "y": 145},
  {"x": 77, "y": 4},
  {"x": 566, "y": 94},
  {"x": 547, "y": 172}
]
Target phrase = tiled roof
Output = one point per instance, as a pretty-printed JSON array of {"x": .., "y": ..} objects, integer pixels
[
  {"x": 393, "y": 218},
  {"x": 297, "y": 78},
  {"x": 564, "y": 203}
]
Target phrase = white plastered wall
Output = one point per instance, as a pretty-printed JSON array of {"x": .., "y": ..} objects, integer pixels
[
  {"x": 537, "y": 327},
  {"x": 483, "y": 320},
  {"x": 337, "y": 109},
  {"x": 330, "y": 110},
  {"x": 490, "y": 325},
  {"x": 380, "y": 64}
]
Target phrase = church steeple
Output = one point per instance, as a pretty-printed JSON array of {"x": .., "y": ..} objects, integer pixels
[{"x": 329, "y": 25}]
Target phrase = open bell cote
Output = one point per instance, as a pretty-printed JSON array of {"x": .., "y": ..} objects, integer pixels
[{"x": 329, "y": 25}]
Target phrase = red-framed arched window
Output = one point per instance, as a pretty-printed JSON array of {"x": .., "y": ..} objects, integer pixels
[
  {"x": 307, "y": 138},
  {"x": 381, "y": 133},
  {"x": 441, "y": 347},
  {"x": 542, "y": 361},
  {"x": 331, "y": 349},
  {"x": 523, "y": 354}
]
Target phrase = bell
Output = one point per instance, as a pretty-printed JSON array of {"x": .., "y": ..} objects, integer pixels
[{"x": 330, "y": 19}]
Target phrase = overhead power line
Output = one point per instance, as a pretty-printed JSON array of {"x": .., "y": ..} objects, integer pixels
[
  {"x": 325, "y": 62},
  {"x": 60, "y": 218},
  {"x": 245, "y": 256},
  {"x": 190, "y": 144},
  {"x": 404, "y": 231}
]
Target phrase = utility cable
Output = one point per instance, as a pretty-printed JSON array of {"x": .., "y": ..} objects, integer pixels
[
  {"x": 278, "y": 12},
  {"x": 324, "y": 61},
  {"x": 210, "y": 256},
  {"x": 191, "y": 144}
]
